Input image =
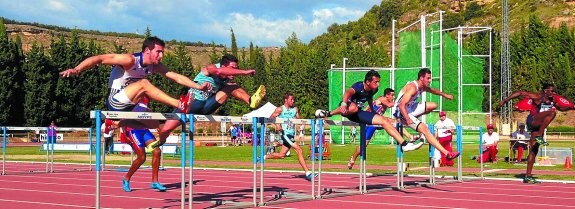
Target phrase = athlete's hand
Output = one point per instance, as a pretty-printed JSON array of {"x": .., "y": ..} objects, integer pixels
[
  {"x": 408, "y": 121},
  {"x": 206, "y": 86},
  {"x": 250, "y": 72},
  {"x": 69, "y": 72},
  {"x": 448, "y": 96},
  {"x": 501, "y": 103}
]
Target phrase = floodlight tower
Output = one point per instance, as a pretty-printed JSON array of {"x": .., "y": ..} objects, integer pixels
[{"x": 506, "y": 110}]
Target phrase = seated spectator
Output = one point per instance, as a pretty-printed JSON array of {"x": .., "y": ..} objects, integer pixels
[
  {"x": 490, "y": 140},
  {"x": 519, "y": 141}
]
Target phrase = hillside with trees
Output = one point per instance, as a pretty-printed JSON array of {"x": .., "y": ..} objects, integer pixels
[{"x": 542, "y": 49}]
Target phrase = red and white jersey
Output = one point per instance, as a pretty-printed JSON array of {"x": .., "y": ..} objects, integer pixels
[
  {"x": 490, "y": 139},
  {"x": 444, "y": 127}
]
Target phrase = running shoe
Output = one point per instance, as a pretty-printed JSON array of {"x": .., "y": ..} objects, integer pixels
[
  {"x": 126, "y": 185},
  {"x": 258, "y": 97},
  {"x": 158, "y": 186},
  {"x": 310, "y": 175},
  {"x": 452, "y": 155},
  {"x": 321, "y": 113},
  {"x": 350, "y": 164},
  {"x": 150, "y": 147},
  {"x": 410, "y": 146},
  {"x": 185, "y": 101},
  {"x": 541, "y": 141},
  {"x": 530, "y": 180}
]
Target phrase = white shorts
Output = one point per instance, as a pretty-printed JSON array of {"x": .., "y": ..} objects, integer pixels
[
  {"x": 118, "y": 101},
  {"x": 413, "y": 112}
]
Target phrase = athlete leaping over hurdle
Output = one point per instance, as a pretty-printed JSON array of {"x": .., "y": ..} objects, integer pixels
[
  {"x": 408, "y": 110},
  {"x": 351, "y": 108}
]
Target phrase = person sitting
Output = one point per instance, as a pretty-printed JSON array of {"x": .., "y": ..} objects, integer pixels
[
  {"x": 490, "y": 140},
  {"x": 519, "y": 141}
]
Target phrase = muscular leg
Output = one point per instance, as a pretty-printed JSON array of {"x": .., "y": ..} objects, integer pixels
[
  {"x": 540, "y": 122},
  {"x": 156, "y": 157},
  {"x": 280, "y": 155},
  {"x": 300, "y": 157},
  {"x": 389, "y": 128},
  {"x": 140, "y": 159},
  {"x": 143, "y": 87}
]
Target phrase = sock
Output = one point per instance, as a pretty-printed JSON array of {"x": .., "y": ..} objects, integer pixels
[
  {"x": 307, "y": 173},
  {"x": 404, "y": 143}
]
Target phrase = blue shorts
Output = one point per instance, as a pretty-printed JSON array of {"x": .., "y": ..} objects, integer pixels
[
  {"x": 370, "y": 131},
  {"x": 362, "y": 117},
  {"x": 140, "y": 137}
]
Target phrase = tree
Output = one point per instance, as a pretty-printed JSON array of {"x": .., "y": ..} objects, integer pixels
[
  {"x": 39, "y": 87},
  {"x": 234, "y": 44},
  {"x": 148, "y": 32},
  {"x": 11, "y": 80}
]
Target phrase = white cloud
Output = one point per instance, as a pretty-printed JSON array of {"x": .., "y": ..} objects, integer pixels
[
  {"x": 57, "y": 6},
  {"x": 266, "y": 31}
]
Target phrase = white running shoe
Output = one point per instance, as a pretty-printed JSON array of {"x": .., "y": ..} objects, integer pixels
[
  {"x": 410, "y": 146},
  {"x": 321, "y": 113}
]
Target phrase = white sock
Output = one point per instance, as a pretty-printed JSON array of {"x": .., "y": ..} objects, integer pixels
[{"x": 307, "y": 173}]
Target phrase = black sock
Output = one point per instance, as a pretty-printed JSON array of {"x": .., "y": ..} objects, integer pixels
[{"x": 404, "y": 143}]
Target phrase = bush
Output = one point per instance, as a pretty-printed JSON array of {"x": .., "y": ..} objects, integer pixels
[{"x": 561, "y": 129}]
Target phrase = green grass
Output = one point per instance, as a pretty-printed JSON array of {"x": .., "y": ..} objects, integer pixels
[{"x": 379, "y": 155}]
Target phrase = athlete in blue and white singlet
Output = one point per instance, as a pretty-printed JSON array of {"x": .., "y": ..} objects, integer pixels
[
  {"x": 288, "y": 128},
  {"x": 287, "y": 131},
  {"x": 120, "y": 78}
]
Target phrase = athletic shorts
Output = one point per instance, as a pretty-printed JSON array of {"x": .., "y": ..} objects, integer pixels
[
  {"x": 370, "y": 131},
  {"x": 139, "y": 137},
  {"x": 413, "y": 112},
  {"x": 118, "y": 101},
  {"x": 362, "y": 116},
  {"x": 287, "y": 140},
  {"x": 203, "y": 107}
]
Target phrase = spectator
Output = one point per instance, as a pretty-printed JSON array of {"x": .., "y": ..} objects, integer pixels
[
  {"x": 108, "y": 131},
  {"x": 519, "y": 141},
  {"x": 445, "y": 130},
  {"x": 234, "y": 134},
  {"x": 52, "y": 133},
  {"x": 490, "y": 140}
]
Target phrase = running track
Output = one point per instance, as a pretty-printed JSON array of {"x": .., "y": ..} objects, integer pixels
[{"x": 70, "y": 188}]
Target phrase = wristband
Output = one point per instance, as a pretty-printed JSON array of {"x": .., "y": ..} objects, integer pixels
[{"x": 342, "y": 104}]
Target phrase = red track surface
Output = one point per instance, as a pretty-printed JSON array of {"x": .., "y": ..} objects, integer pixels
[{"x": 67, "y": 188}]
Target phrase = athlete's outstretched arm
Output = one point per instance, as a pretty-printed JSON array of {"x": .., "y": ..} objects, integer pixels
[
  {"x": 124, "y": 60},
  {"x": 440, "y": 93},
  {"x": 519, "y": 94}
]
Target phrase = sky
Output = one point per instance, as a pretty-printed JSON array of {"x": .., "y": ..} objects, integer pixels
[{"x": 263, "y": 22}]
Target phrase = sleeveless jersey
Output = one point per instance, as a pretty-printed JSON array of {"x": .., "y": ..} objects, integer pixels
[
  {"x": 120, "y": 78},
  {"x": 216, "y": 82},
  {"x": 361, "y": 95},
  {"x": 412, "y": 102},
  {"x": 289, "y": 127}
]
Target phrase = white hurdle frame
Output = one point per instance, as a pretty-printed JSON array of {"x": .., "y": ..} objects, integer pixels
[{"x": 49, "y": 146}]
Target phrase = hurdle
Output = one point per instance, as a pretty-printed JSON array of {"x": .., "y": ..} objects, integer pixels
[
  {"x": 49, "y": 146},
  {"x": 432, "y": 177},
  {"x": 362, "y": 188},
  {"x": 258, "y": 144},
  {"x": 99, "y": 115}
]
